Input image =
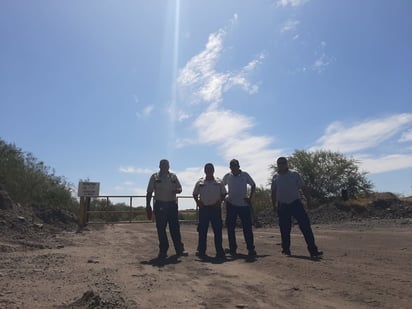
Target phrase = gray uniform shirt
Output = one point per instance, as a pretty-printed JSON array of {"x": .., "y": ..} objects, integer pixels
[
  {"x": 164, "y": 187},
  {"x": 209, "y": 191},
  {"x": 287, "y": 186}
]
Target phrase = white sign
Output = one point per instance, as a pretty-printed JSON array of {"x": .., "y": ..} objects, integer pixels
[{"x": 88, "y": 189}]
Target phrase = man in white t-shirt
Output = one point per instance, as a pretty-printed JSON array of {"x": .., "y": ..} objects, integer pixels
[
  {"x": 238, "y": 203},
  {"x": 286, "y": 186}
]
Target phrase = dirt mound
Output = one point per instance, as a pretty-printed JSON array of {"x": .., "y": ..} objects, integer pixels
[
  {"x": 33, "y": 227},
  {"x": 374, "y": 206},
  {"x": 92, "y": 300},
  {"x": 55, "y": 216}
]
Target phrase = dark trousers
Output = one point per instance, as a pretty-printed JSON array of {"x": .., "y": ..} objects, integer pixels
[
  {"x": 296, "y": 210},
  {"x": 166, "y": 212},
  {"x": 214, "y": 216},
  {"x": 232, "y": 211}
]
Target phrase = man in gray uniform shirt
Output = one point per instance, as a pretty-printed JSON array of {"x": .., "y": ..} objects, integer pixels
[
  {"x": 286, "y": 199},
  {"x": 165, "y": 186},
  {"x": 209, "y": 192}
]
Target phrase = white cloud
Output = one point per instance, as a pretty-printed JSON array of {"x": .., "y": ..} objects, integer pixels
[
  {"x": 225, "y": 129},
  {"x": 182, "y": 116},
  {"x": 230, "y": 132},
  {"x": 183, "y": 142},
  {"x": 135, "y": 170},
  {"x": 200, "y": 69},
  {"x": 200, "y": 80},
  {"x": 216, "y": 126},
  {"x": 406, "y": 136},
  {"x": 147, "y": 110},
  {"x": 363, "y": 135},
  {"x": 290, "y": 25},
  {"x": 284, "y": 3},
  {"x": 321, "y": 63},
  {"x": 385, "y": 163}
]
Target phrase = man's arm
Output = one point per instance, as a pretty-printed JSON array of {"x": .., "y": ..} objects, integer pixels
[
  {"x": 305, "y": 190},
  {"x": 274, "y": 200},
  {"x": 273, "y": 195},
  {"x": 150, "y": 188},
  {"x": 178, "y": 186},
  {"x": 252, "y": 185},
  {"x": 252, "y": 191},
  {"x": 306, "y": 193},
  {"x": 148, "y": 198},
  {"x": 196, "y": 195}
]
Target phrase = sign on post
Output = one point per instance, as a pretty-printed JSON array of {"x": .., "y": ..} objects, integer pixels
[{"x": 88, "y": 189}]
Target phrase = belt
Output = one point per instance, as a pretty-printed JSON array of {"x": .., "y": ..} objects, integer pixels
[
  {"x": 216, "y": 205},
  {"x": 293, "y": 202},
  {"x": 165, "y": 202}
]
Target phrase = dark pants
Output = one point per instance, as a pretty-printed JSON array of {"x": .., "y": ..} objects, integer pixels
[
  {"x": 214, "y": 216},
  {"x": 296, "y": 210},
  {"x": 166, "y": 212},
  {"x": 232, "y": 211}
]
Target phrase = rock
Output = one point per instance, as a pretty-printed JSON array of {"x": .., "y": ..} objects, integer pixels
[{"x": 38, "y": 225}]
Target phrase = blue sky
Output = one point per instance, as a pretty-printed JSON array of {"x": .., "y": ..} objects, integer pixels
[{"x": 102, "y": 90}]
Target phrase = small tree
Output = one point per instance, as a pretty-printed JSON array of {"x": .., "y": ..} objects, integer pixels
[{"x": 327, "y": 173}]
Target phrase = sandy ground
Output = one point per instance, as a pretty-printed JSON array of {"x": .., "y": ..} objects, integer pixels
[{"x": 366, "y": 265}]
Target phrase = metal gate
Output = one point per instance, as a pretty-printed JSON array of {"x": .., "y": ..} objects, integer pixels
[{"x": 110, "y": 215}]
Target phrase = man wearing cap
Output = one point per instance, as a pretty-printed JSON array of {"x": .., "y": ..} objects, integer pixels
[
  {"x": 238, "y": 203},
  {"x": 165, "y": 185},
  {"x": 209, "y": 192},
  {"x": 286, "y": 186}
]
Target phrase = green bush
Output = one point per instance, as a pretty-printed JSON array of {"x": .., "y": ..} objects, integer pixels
[
  {"x": 327, "y": 173},
  {"x": 30, "y": 181}
]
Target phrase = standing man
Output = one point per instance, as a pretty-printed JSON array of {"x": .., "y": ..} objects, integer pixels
[
  {"x": 209, "y": 192},
  {"x": 165, "y": 185},
  {"x": 238, "y": 203},
  {"x": 286, "y": 199}
]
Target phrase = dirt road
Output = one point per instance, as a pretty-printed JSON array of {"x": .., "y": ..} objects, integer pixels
[{"x": 366, "y": 265}]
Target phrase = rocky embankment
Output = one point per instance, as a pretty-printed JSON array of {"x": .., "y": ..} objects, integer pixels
[{"x": 377, "y": 206}]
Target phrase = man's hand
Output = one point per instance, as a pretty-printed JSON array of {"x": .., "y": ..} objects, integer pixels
[{"x": 149, "y": 212}]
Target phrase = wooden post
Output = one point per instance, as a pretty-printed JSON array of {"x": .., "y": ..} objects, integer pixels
[
  {"x": 82, "y": 212},
  {"x": 87, "y": 208}
]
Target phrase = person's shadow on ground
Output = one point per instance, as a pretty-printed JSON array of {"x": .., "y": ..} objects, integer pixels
[
  {"x": 247, "y": 258},
  {"x": 212, "y": 260},
  {"x": 305, "y": 257},
  {"x": 230, "y": 258},
  {"x": 161, "y": 262}
]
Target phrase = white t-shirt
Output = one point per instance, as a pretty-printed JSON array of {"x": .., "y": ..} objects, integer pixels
[
  {"x": 287, "y": 186},
  {"x": 237, "y": 187}
]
